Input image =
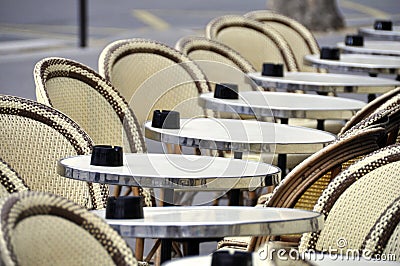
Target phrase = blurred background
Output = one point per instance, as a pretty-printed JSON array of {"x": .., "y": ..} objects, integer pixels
[{"x": 32, "y": 30}]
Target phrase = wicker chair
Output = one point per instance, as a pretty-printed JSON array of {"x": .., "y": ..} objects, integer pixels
[
  {"x": 152, "y": 75},
  {"x": 300, "y": 39},
  {"x": 383, "y": 238},
  {"x": 10, "y": 181},
  {"x": 93, "y": 103},
  {"x": 219, "y": 62},
  {"x": 34, "y": 137},
  {"x": 302, "y": 187},
  {"x": 256, "y": 42},
  {"x": 379, "y": 104},
  {"x": 353, "y": 203},
  {"x": 43, "y": 229}
]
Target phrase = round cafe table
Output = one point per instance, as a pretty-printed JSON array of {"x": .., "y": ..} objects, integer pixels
[
  {"x": 372, "y": 64},
  {"x": 390, "y": 35},
  {"x": 173, "y": 171},
  {"x": 198, "y": 223},
  {"x": 284, "y": 106},
  {"x": 242, "y": 136},
  {"x": 373, "y": 47},
  {"x": 325, "y": 82}
]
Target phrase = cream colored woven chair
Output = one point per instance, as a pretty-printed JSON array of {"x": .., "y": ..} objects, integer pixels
[
  {"x": 10, "y": 181},
  {"x": 152, "y": 75},
  {"x": 229, "y": 66},
  {"x": 300, "y": 39},
  {"x": 43, "y": 229},
  {"x": 383, "y": 239},
  {"x": 34, "y": 137},
  {"x": 92, "y": 102},
  {"x": 387, "y": 115},
  {"x": 381, "y": 103},
  {"x": 355, "y": 200},
  {"x": 302, "y": 187},
  {"x": 256, "y": 42}
]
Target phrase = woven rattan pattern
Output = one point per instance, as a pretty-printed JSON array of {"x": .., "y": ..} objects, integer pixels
[
  {"x": 10, "y": 181},
  {"x": 367, "y": 110},
  {"x": 387, "y": 115},
  {"x": 34, "y": 137},
  {"x": 393, "y": 245},
  {"x": 384, "y": 237},
  {"x": 300, "y": 188},
  {"x": 378, "y": 166},
  {"x": 299, "y": 38},
  {"x": 152, "y": 75},
  {"x": 201, "y": 48},
  {"x": 91, "y": 101},
  {"x": 62, "y": 233},
  {"x": 257, "y": 42}
]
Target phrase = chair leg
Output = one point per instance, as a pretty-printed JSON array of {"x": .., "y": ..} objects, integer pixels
[
  {"x": 117, "y": 190},
  {"x": 139, "y": 248}
]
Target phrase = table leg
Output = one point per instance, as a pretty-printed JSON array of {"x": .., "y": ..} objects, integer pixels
[
  {"x": 168, "y": 197},
  {"x": 234, "y": 194},
  {"x": 320, "y": 124},
  {"x": 282, "y": 161},
  {"x": 282, "y": 158},
  {"x": 193, "y": 247},
  {"x": 372, "y": 96},
  {"x": 166, "y": 249}
]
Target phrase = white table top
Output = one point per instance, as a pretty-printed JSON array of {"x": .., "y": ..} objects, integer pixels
[
  {"x": 326, "y": 82},
  {"x": 215, "y": 221},
  {"x": 373, "y": 47},
  {"x": 284, "y": 105},
  {"x": 173, "y": 171},
  {"x": 242, "y": 136},
  {"x": 390, "y": 35},
  {"x": 358, "y": 62}
]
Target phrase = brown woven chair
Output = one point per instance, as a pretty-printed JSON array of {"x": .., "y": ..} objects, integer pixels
[
  {"x": 256, "y": 42},
  {"x": 300, "y": 39},
  {"x": 302, "y": 187},
  {"x": 355, "y": 200},
  {"x": 43, "y": 229},
  {"x": 379, "y": 104},
  {"x": 10, "y": 181},
  {"x": 34, "y": 137},
  {"x": 92, "y": 102},
  {"x": 383, "y": 238},
  {"x": 152, "y": 75}
]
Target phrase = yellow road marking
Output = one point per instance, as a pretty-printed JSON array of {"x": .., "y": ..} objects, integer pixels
[
  {"x": 376, "y": 13},
  {"x": 150, "y": 19}
]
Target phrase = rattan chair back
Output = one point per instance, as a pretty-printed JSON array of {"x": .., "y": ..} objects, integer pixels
[
  {"x": 300, "y": 39},
  {"x": 380, "y": 104},
  {"x": 383, "y": 239},
  {"x": 220, "y": 63},
  {"x": 91, "y": 101},
  {"x": 386, "y": 116},
  {"x": 302, "y": 187},
  {"x": 257, "y": 42},
  {"x": 34, "y": 137},
  {"x": 10, "y": 181},
  {"x": 44, "y": 229},
  {"x": 355, "y": 200},
  {"x": 152, "y": 75}
]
